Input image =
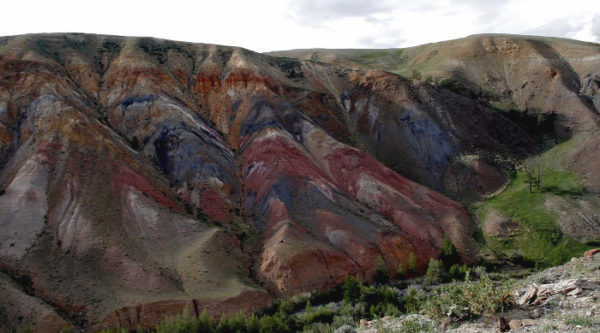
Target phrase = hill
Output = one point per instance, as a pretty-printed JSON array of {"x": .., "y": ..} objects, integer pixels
[{"x": 140, "y": 177}]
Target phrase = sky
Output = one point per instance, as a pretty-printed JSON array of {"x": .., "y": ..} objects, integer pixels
[{"x": 263, "y": 25}]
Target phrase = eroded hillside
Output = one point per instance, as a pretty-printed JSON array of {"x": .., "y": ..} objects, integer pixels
[{"x": 140, "y": 177}]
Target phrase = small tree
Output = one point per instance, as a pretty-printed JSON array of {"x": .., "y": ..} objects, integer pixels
[
  {"x": 435, "y": 271},
  {"x": 381, "y": 272},
  {"x": 286, "y": 307},
  {"x": 415, "y": 74},
  {"x": 351, "y": 288},
  {"x": 412, "y": 263},
  {"x": 308, "y": 307},
  {"x": 400, "y": 272},
  {"x": 534, "y": 178},
  {"x": 449, "y": 255},
  {"x": 457, "y": 272}
]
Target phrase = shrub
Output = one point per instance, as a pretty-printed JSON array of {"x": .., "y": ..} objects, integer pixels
[
  {"x": 343, "y": 320},
  {"x": 351, "y": 288},
  {"x": 383, "y": 309},
  {"x": 415, "y": 74},
  {"x": 400, "y": 272},
  {"x": 469, "y": 300},
  {"x": 354, "y": 311},
  {"x": 381, "y": 273},
  {"x": 412, "y": 263},
  {"x": 275, "y": 324},
  {"x": 457, "y": 272},
  {"x": 286, "y": 307},
  {"x": 449, "y": 255},
  {"x": 322, "y": 315},
  {"x": 412, "y": 300},
  {"x": 238, "y": 324},
  {"x": 435, "y": 272},
  {"x": 415, "y": 325},
  {"x": 184, "y": 323},
  {"x": 308, "y": 307}
]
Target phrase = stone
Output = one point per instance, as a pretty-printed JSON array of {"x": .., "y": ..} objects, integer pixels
[
  {"x": 514, "y": 324},
  {"x": 590, "y": 253},
  {"x": 363, "y": 322}
]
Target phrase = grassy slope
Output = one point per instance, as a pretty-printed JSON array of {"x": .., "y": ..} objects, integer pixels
[{"x": 538, "y": 238}]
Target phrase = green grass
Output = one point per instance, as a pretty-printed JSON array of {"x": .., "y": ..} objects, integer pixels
[
  {"x": 555, "y": 158},
  {"x": 562, "y": 183},
  {"x": 538, "y": 239}
]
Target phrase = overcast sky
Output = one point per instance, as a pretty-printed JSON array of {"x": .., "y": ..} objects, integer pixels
[{"x": 263, "y": 25}]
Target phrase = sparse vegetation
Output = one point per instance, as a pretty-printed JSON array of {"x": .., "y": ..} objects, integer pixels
[
  {"x": 537, "y": 239},
  {"x": 583, "y": 321},
  {"x": 412, "y": 263},
  {"x": 470, "y": 299},
  {"x": 352, "y": 301},
  {"x": 415, "y": 325}
]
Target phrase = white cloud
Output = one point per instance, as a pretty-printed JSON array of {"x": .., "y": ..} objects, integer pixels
[
  {"x": 264, "y": 25},
  {"x": 595, "y": 26}
]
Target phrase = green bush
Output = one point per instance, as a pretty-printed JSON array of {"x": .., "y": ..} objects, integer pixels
[
  {"x": 416, "y": 325},
  {"x": 435, "y": 272},
  {"x": 413, "y": 300},
  {"x": 383, "y": 309},
  {"x": 449, "y": 255},
  {"x": 354, "y": 311},
  {"x": 341, "y": 320},
  {"x": 286, "y": 307},
  {"x": 184, "y": 323},
  {"x": 351, "y": 288},
  {"x": 381, "y": 273},
  {"x": 412, "y": 264},
  {"x": 322, "y": 315},
  {"x": 278, "y": 323},
  {"x": 457, "y": 272},
  {"x": 400, "y": 272},
  {"x": 238, "y": 324},
  {"x": 470, "y": 299}
]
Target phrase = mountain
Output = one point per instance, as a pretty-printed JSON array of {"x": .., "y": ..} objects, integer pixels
[
  {"x": 140, "y": 177},
  {"x": 549, "y": 87}
]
